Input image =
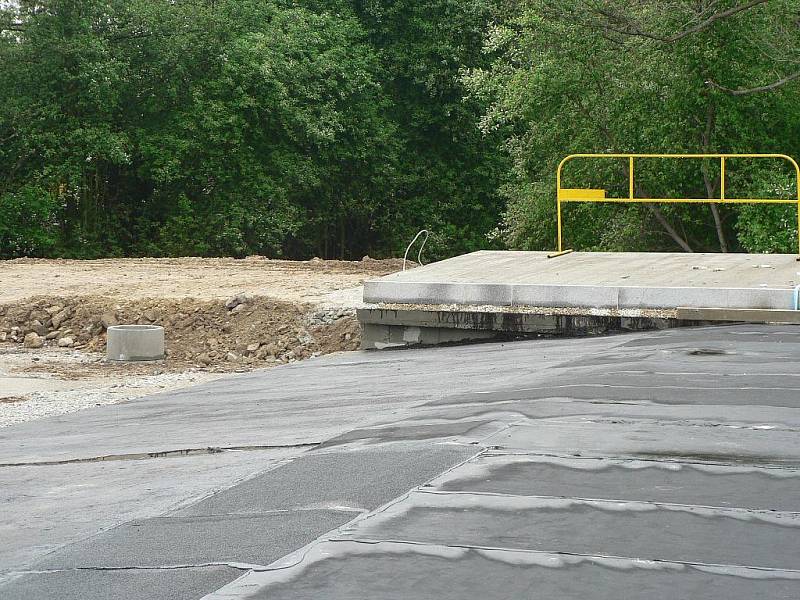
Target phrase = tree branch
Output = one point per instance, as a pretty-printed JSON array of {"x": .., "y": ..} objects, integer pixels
[
  {"x": 668, "y": 228},
  {"x": 755, "y": 90},
  {"x": 714, "y": 18},
  {"x": 711, "y": 186},
  {"x": 628, "y": 27}
]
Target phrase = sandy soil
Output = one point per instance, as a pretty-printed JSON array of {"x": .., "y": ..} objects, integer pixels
[
  {"x": 293, "y": 311},
  {"x": 201, "y": 278}
]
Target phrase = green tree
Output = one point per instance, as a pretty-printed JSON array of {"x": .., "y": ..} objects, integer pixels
[
  {"x": 231, "y": 127},
  {"x": 607, "y": 76},
  {"x": 449, "y": 171}
]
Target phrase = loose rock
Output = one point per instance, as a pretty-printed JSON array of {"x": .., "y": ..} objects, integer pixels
[
  {"x": 108, "y": 320},
  {"x": 38, "y": 328},
  {"x": 33, "y": 340},
  {"x": 59, "y": 318},
  {"x": 240, "y": 298}
]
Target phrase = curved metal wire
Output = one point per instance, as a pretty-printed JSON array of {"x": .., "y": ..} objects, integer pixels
[{"x": 419, "y": 254}]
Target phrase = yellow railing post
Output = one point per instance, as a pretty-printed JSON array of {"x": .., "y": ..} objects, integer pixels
[
  {"x": 590, "y": 195},
  {"x": 630, "y": 177},
  {"x": 797, "y": 172}
]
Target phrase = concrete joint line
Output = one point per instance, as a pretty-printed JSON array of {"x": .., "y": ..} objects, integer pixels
[
  {"x": 764, "y": 427},
  {"x": 231, "y": 565},
  {"x": 498, "y": 451},
  {"x": 727, "y": 569},
  {"x": 689, "y": 460},
  {"x": 160, "y": 454},
  {"x": 735, "y": 511}
]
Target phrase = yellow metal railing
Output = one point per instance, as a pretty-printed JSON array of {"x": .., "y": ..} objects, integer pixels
[{"x": 565, "y": 195}]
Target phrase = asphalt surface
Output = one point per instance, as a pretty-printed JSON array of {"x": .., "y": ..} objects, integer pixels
[{"x": 650, "y": 465}]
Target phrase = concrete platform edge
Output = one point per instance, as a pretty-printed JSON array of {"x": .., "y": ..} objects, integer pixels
[{"x": 393, "y": 327}]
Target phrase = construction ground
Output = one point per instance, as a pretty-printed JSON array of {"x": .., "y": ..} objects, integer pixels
[
  {"x": 644, "y": 465},
  {"x": 220, "y": 316},
  {"x": 635, "y": 465}
]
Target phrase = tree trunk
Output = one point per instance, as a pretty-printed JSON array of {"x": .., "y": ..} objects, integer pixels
[{"x": 669, "y": 228}]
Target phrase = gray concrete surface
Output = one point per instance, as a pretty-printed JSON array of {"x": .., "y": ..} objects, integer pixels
[
  {"x": 397, "y": 571},
  {"x": 646, "y": 465},
  {"x": 132, "y": 343},
  {"x": 619, "y": 280},
  {"x": 252, "y": 539},
  {"x": 302, "y": 403},
  {"x": 398, "y": 326},
  {"x": 46, "y": 507},
  {"x": 358, "y": 480},
  {"x": 161, "y": 584}
]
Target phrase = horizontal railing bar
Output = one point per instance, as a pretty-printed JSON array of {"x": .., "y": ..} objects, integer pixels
[
  {"x": 683, "y": 200},
  {"x": 562, "y": 199},
  {"x": 784, "y": 156}
]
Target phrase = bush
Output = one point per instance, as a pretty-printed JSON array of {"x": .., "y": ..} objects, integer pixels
[{"x": 28, "y": 222}]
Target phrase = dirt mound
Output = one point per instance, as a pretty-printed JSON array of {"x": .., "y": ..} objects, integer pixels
[{"x": 244, "y": 332}]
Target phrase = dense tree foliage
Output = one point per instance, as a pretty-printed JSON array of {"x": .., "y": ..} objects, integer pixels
[
  {"x": 338, "y": 128},
  {"x": 654, "y": 76},
  {"x": 241, "y": 126}
]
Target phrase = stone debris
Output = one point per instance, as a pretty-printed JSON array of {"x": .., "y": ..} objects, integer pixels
[
  {"x": 237, "y": 300},
  {"x": 207, "y": 334},
  {"x": 108, "y": 319},
  {"x": 60, "y": 317},
  {"x": 33, "y": 340}
]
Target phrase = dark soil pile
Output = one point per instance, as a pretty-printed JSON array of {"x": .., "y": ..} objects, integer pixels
[{"x": 244, "y": 332}]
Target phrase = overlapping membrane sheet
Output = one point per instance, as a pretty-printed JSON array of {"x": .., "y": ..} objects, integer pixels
[
  {"x": 668, "y": 466},
  {"x": 654, "y": 465}
]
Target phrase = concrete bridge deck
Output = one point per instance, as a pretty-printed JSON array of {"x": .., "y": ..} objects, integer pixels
[
  {"x": 597, "y": 280},
  {"x": 528, "y": 292}
]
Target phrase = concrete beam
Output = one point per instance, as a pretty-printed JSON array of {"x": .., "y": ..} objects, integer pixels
[{"x": 396, "y": 327}]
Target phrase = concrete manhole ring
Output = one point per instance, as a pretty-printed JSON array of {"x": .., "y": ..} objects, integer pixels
[{"x": 131, "y": 343}]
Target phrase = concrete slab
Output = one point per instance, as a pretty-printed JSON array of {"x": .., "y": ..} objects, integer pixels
[
  {"x": 696, "y": 431},
  {"x": 654, "y": 439},
  {"x": 663, "y": 466},
  {"x": 146, "y": 584},
  {"x": 254, "y": 539},
  {"x": 596, "y": 280},
  {"x": 304, "y": 403},
  {"x": 396, "y": 571},
  {"x": 46, "y": 507},
  {"x": 627, "y": 480},
  {"x": 359, "y": 480},
  {"x": 678, "y": 533}
]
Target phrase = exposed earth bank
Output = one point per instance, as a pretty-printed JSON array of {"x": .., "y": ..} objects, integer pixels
[{"x": 219, "y": 315}]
